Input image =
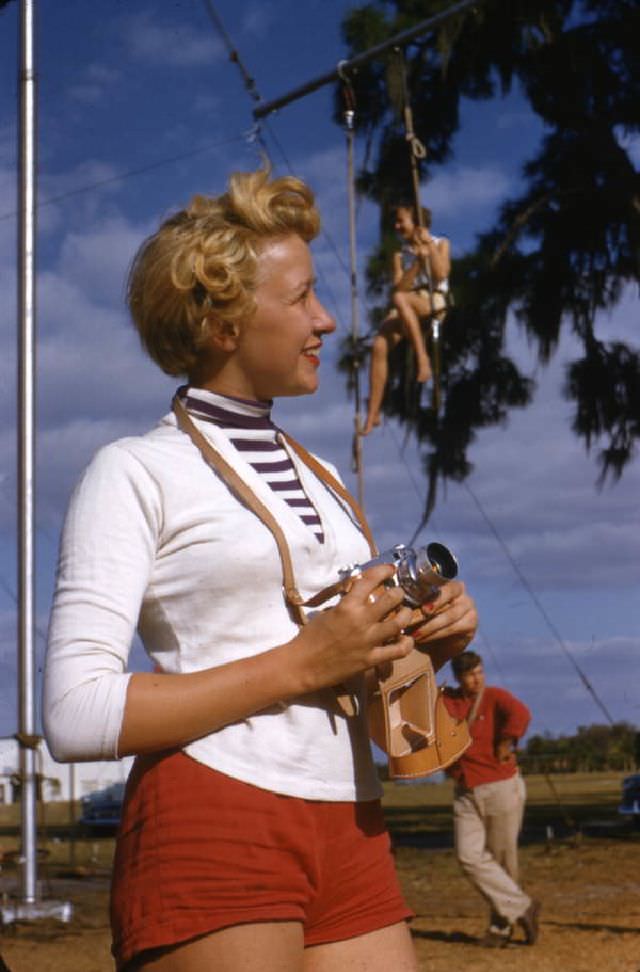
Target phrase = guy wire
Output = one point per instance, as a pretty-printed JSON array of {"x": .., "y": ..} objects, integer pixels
[
  {"x": 536, "y": 600},
  {"x": 252, "y": 89},
  {"x": 129, "y": 174}
]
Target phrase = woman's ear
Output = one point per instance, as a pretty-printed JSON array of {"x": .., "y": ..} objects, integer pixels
[{"x": 223, "y": 335}]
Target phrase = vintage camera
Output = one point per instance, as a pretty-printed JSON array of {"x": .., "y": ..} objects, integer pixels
[{"x": 419, "y": 572}]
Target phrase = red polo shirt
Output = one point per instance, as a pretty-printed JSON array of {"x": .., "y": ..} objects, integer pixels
[{"x": 500, "y": 716}]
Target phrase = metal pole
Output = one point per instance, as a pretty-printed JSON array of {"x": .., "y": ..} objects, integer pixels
[
  {"x": 28, "y": 907},
  {"x": 26, "y": 400},
  {"x": 72, "y": 815},
  {"x": 398, "y": 40}
]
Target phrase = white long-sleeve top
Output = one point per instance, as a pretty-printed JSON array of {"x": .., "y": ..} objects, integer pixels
[{"x": 153, "y": 539}]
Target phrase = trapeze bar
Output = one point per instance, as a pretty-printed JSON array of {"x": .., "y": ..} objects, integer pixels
[{"x": 398, "y": 40}]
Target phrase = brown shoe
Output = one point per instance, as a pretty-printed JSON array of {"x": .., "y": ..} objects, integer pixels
[
  {"x": 495, "y": 938},
  {"x": 529, "y": 922}
]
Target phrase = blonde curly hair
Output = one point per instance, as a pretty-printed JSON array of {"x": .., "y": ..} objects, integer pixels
[{"x": 201, "y": 265}]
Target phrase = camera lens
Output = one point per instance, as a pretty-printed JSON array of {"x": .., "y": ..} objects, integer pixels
[{"x": 442, "y": 560}]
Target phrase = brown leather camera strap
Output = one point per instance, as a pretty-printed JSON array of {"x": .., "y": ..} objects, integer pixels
[
  {"x": 249, "y": 499},
  {"x": 335, "y": 485}
]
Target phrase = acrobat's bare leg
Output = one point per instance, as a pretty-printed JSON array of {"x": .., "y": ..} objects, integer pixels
[
  {"x": 410, "y": 305},
  {"x": 387, "y": 339}
]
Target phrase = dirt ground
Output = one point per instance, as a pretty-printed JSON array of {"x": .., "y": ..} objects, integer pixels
[
  {"x": 589, "y": 885},
  {"x": 590, "y": 918}
]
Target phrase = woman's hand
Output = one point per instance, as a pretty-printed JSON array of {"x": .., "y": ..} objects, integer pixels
[
  {"x": 168, "y": 710},
  {"x": 437, "y": 253},
  {"x": 450, "y": 623},
  {"x": 364, "y": 630}
]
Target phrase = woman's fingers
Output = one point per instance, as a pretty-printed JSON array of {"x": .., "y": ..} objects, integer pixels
[
  {"x": 352, "y": 637},
  {"x": 386, "y": 601},
  {"x": 369, "y": 589},
  {"x": 454, "y": 615},
  {"x": 388, "y": 653},
  {"x": 392, "y": 628},
  {"x": 365, "y": 584},
  {"x": 447, "y": 593}
]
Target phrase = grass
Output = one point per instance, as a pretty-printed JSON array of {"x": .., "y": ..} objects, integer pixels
[{"x": 562, "y": 801}]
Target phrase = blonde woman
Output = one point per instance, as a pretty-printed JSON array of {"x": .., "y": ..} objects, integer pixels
[{"x": 252, "y": 836}]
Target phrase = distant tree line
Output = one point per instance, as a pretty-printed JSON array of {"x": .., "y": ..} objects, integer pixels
[{"x": 593, "y": 748}]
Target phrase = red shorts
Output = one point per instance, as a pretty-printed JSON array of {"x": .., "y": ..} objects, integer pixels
[{"x": 198, "y": 851}]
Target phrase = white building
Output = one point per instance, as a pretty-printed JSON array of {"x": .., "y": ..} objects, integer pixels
[{"x": 59, "y": 781}]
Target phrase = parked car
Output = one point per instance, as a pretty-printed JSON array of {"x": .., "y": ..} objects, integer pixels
[
  {"x": 101, "y": 809},
  {"x": 630, "y": 805}
]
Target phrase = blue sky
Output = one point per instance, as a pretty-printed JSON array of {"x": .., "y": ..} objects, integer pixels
[{"x": 139, "y": 108}]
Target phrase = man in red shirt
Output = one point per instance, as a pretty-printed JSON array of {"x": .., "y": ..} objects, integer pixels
[{"x": 489, "y": 798}]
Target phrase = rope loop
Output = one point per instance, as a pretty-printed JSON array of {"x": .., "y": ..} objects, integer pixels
[
  {"x": 418, "y": 148},
  {"x": 341, "y": 68},
  {"x": 252, "y": 135}
]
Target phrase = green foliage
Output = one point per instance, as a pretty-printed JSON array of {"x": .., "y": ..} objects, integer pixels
[
  {"x": 558, "y": 254},
  {"x": 604, "y": 383},
  {"x": 592, "y": 748}
]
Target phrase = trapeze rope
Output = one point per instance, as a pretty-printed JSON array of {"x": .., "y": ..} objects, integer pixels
[{"x": 349, "y": 116}]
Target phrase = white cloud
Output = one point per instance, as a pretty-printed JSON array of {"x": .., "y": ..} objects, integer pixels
[
  {"x": 75, "y": 195},
  {"x": 258, "y": 18},
  {"x": 8, "y": 144},
  {"x": 508, "y": 120},
  {"x": 89, "y": 359},
  {"x": 459, "y": 190},
  {"x": 7, "y": 640},
  {"x": 9, "y": 664},
  {"x": 630, "y": 142},
  {"x": 542, "y": 663},
  {"x": 169, "y": 44},
  {"x": 622, "y": 323},
  {"x": 537, "y": 485},
  {"x": 97, "y": 258},
  {"x": 206, "y": 104},
  {"x": 8, "y": 202},
  {"x": 95, "y": 84}
]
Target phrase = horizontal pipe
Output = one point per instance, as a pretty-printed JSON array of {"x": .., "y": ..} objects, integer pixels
[{"x": 398, "y": 40}]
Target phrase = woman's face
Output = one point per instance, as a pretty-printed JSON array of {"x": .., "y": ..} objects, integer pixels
[
  {"x": 278, "y": 348},
  {"x": 404, "y": 224}
]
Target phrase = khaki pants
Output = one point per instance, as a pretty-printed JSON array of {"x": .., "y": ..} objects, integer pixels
[{"x": 487, "y": 822}]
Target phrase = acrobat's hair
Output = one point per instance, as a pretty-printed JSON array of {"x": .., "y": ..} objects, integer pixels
[{"x": 411, "y": 206}]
